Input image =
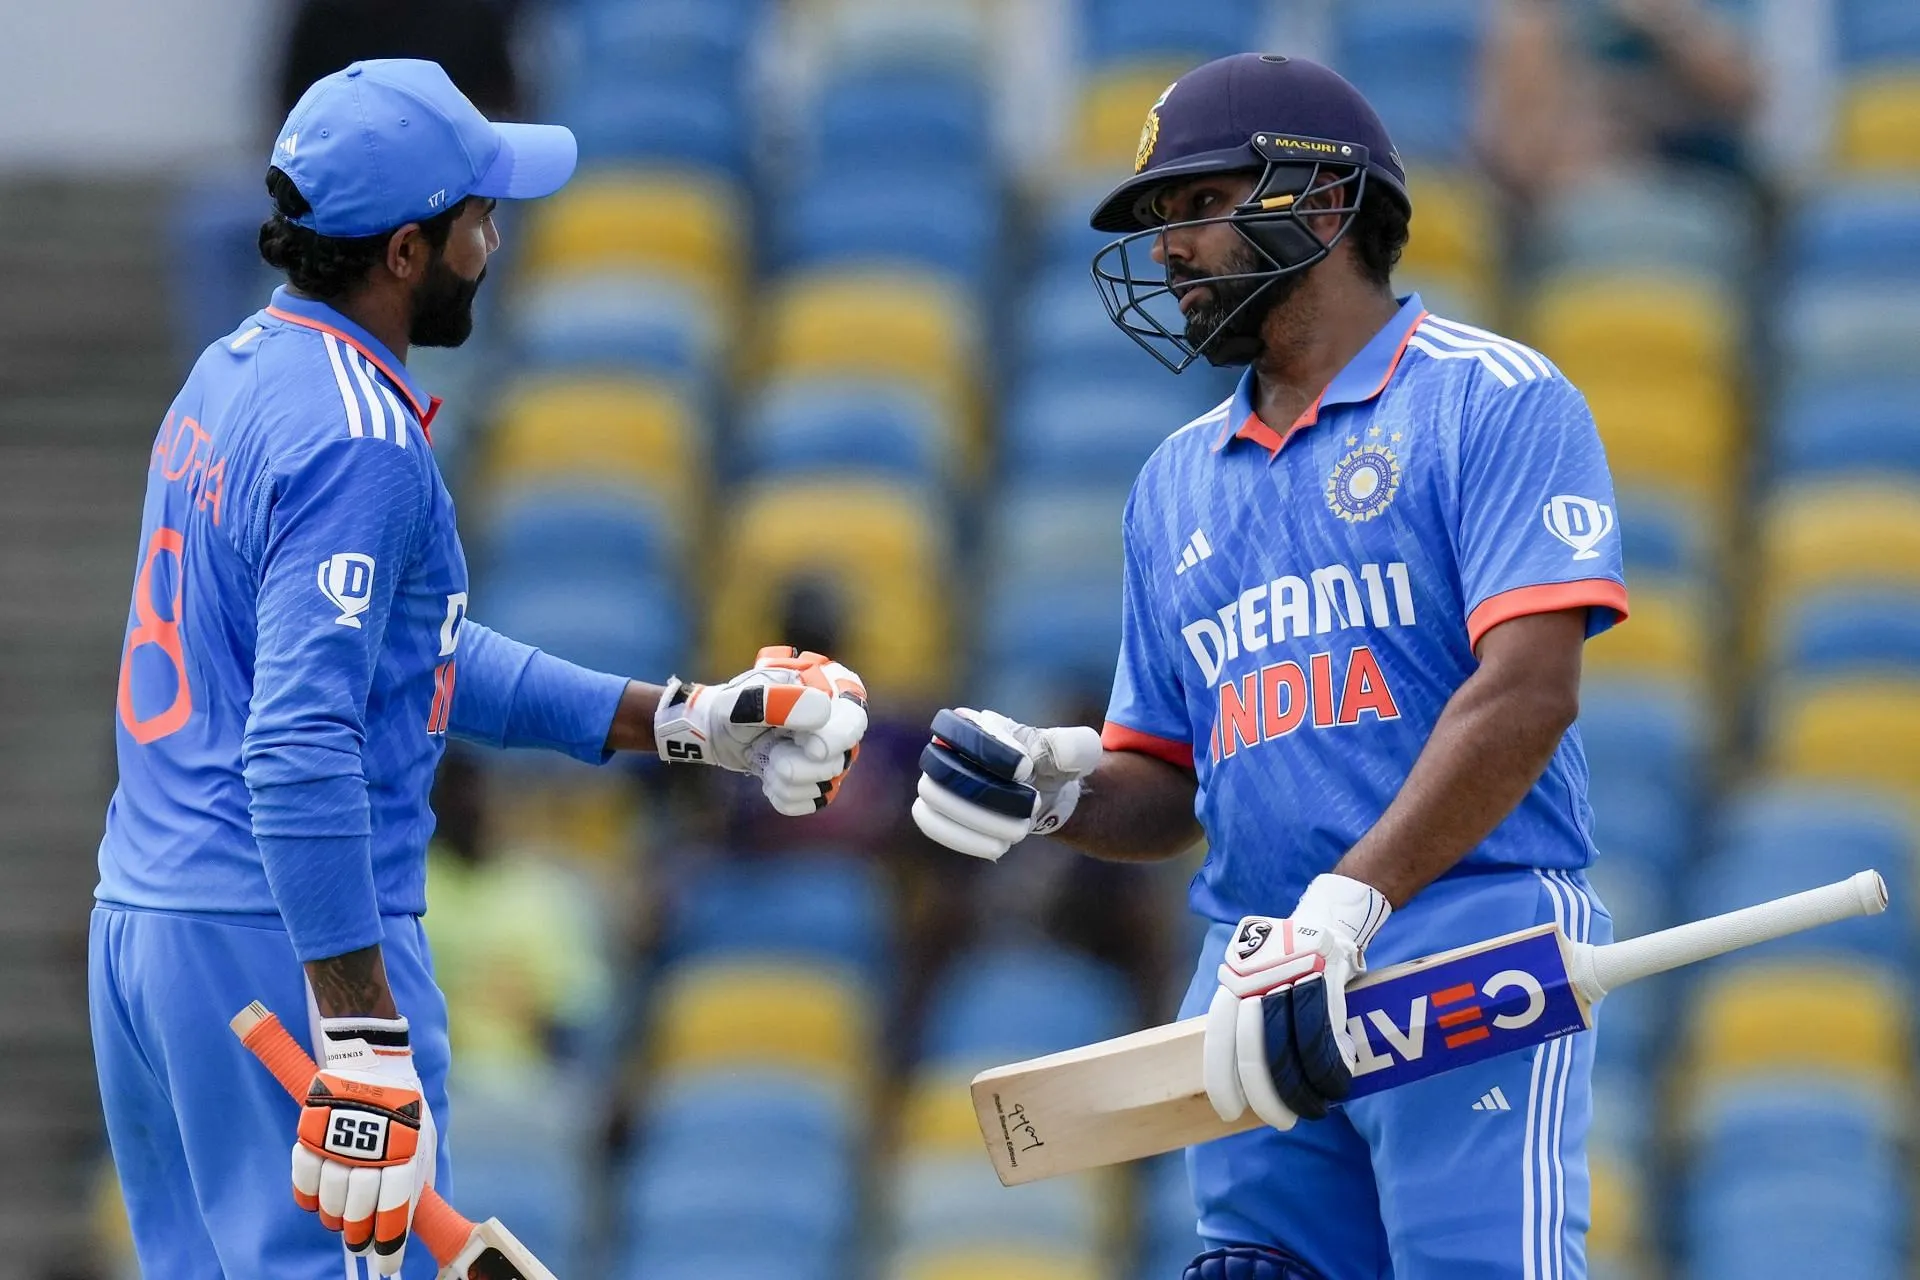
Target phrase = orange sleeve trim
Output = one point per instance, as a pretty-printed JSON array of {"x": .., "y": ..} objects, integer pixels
[
  {"x": 1550, "y": 597},
  {"x": 1117, "y": 737}
]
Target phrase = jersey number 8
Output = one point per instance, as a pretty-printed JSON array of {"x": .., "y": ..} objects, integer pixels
[{"x": 164, "y": 632}]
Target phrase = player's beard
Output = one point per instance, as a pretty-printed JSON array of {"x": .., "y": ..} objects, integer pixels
[
  {"x": 1225, "y": 326},
  {"x": 443, "y": 306}
]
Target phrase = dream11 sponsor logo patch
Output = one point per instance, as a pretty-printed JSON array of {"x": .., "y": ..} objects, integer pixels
[
  {"x": 1581, "y": 523},
  {"x": 1448, "y": 1015}
]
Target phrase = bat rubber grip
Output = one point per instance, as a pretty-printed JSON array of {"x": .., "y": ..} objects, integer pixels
[{"x": 437, "y": 1224}]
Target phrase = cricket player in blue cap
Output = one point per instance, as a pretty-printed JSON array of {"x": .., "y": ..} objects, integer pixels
[
  {"x": 1355, "y": 598},
  {"x": 297, "y": 651}
]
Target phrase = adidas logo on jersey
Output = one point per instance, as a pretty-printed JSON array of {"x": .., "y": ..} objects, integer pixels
[
  {"x": 1198, "y": 549},
  {"x": 1493, "y": 1100}
]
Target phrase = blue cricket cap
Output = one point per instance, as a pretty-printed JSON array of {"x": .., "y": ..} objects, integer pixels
[
  {"x": 1209, "y": 119},
  {"x": 390, "y": 141}
]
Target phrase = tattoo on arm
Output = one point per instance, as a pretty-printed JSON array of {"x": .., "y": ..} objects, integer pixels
[{"x": 353, "y": 985}]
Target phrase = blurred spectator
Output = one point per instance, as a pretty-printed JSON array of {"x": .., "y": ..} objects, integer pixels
[
  {"x": 517, "y": 942},
  {"x": 472, "y": 39},
  {"x": 1573, "y": 86}
]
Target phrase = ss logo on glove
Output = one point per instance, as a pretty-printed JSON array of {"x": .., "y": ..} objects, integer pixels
[{"x": 356, "y": 1135}]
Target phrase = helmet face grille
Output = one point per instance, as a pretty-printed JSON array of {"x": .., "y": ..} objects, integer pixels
[{"x": 1145, "y": 306}]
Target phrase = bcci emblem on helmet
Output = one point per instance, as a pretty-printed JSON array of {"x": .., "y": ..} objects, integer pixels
[
  {"x": 1363, "y": 483},
  {"x": 1150, "y": 131}
]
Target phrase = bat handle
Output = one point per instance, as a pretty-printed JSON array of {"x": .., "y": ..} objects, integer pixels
[
  {"x": 1598, "y": 970},
  {"x": 438, "y": 1224}
]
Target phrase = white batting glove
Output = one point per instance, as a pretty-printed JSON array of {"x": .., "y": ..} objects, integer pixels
[
  {"x": 794, "y": 721},
  {"x": 367, "y": 1140},
  {"x": 987, "y": 782},
  {"x": 1277, "y": 1038}
]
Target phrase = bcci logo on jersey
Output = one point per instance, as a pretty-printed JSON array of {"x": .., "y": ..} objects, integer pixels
[
  {"x": 347, "y": 581},
  {"x": 1363, "y": 483}
]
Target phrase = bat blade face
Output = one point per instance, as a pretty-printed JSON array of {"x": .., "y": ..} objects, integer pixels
[
  {"x": 492, "y": 1253},
  {"x": 1419, "y": 1020}
]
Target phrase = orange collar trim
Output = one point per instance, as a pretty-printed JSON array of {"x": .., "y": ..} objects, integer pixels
[
  {"x": 1252, "y": 428},
  {"x": 424, "y": 412}
]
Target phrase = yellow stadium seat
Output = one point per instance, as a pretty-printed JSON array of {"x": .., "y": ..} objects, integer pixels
[
  {"x": 936, "y": 1115},
  {"x": 1618, "y": 1233},
  {"x": 584, "y": 428},
  {"x": 725, "y": 1016},
  {"x": 1650, "y": 329},
  {"x": 1879, "y": 124},
  {"x": 1678, "y": 437},
  {"x": 1666, "y": 634},
  {"x": 1831, "y": 1017},
  {"x": 1857, "y": 731},
  {"x": 1452, "y": 237},
  {"x": 589, "y": 818},
  {"x": 887, "y": 324},
  {"x": 873, "y": 542},
  {"x": 1845, "y": 533},
  {"x": 1111, "y": 124},
  {"x": 682, "y": 226},
  {"x": 987, "y": 1263}
]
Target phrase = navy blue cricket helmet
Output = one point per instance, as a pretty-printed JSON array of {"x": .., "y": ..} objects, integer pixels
[{"x": 1303, "y": 130}]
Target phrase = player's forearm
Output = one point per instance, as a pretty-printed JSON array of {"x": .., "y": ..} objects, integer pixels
[
  {"x": 633, "y": 719},
  {"x": 1490, "y": 745},
  {"x": 1134, "y": 808},
  {"x": 353, "y": 985}
]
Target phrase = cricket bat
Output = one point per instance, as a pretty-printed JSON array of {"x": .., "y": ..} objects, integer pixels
[
  {"x": 1141, "y": 1094},
  {"x": 464, "y": 1250}
]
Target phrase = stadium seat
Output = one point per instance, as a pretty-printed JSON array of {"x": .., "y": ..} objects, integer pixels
[
  {"x": 1089, "y": 430},
  {"x": 1112, "y": 112},
  {"x": 1867, "y": 230},
  {"x": 912, "y": 117},
  {"x": 1040, "y": 531},
  {"x": 905, "y": 325},
  {"x": 699, "y": 1250},
  {"x": 1835, "y": 535},
  {"x": 1849, "y": 730},
  {"x": 1858, "y": 1227},
  {"x": 719, "y": 1015},
  {"x": 845, "y": 426},
  {"x": 869, "y": 218},
  {"x": 1674, "y": 224},
  {"x": 620, "y": 322},
  {"x": 625, "y": 430},
  {"x": 1867, "y": 427},
  {"x": 882, "y": 547},
  {"x": 942, "y": 1202},
  {"x": 581, "y": 815},
  {"x": 740, "y": 1109},
  {"x": 684, "y": 227},
  {"x": 1654, "y": 329},
  {"x": 1066, "y": 1000},
  {"x": 1847, "y": 329},
  {"x": 1877, "y": 31},
  {"x": 1849, "y": 1021},
  {"x": 1619, "y": 1232},
  {"x": 626, "y": 40},
  {"x": 1647, "y": 729},
  {"x": 797, "y": 1198},
  {"x": 1670, "y": 636},
  {"x": 632, "y": 622},
  {"x": 1011, "y": 1263},
  {"x": 578, "y": 529},
  {"x": 1849, "y": 632},
  {"x": 1878, "y": 128},
  {"x": 1167, "y": 1216},
  {"x": 1068, "y": 335},
  {"x": 682, "y": 121},
  {"x": 1415, "y": 62},
  {"x": 941, "y": 37},
  {"x": 822, "y": 909},
  {"x": 1677, "y": 438},
  {"x": 936, "y": 1114},
  {"x": 1455, "y": 237},
  {"x": 1806, "y": 1122},
  {"x": 1123, "y": 31},
  {"x": 1665, "y": 534}
]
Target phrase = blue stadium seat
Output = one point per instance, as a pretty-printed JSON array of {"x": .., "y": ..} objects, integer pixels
[
  {"x": 1859, "y": 230},
  {"x": 1663, "y": 534},
  {"x": 1847, "y": 330},
  {"x": 1415, "y": 61},
  {"x": 623, "y": 323},
  {"x": 1782, "y": 839},
  {"x": 1068, "y": 332},
  {"x": 699, "y": 1250},
  {"x": 1849, "y": 631},
  {"x": 1652, "y": 732},
  {"x": 1675, "y": 222},
  {"x": 944, "y": 1202},
  {"x": 1169, "y": 1238},
  {"x": 214, "y": 271},
  {"x": 1802, "y": 1123},
  {"x": 609, "y": 624},
  {"x": 904, "y": 119},
  {"x": 945, "y": 219},
  {"x": 1769, "y": 1222},
  {"x": 1069, "y": 629},
  {"x": 823, "y": 908},
  {"x": 1141, "y": 30},
  {"x": 621, "y": 41},
  {"x": 1065, "y": 999},
  {"x": 1093, "y": 432},
  {"x": 1874, "y": 32},
  {"x": 1828, "y": 426},
  {"x": 1042, "y": 532},
  {"x": 802, "y": 1201},
  {"x": 802, "y": 425},
  {"x": 576, "y": 530},
  {"x": 684, "y": 122}
]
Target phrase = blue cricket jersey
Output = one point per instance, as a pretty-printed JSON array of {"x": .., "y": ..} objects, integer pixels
[
  {"x": 296, "y": 639},
  {"x": 1300, "y": 606}
]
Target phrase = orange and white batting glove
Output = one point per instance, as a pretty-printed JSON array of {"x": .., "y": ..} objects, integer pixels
[
  {"x": 367, "y": 1140},
  {"x": 794, "y": 721}
]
